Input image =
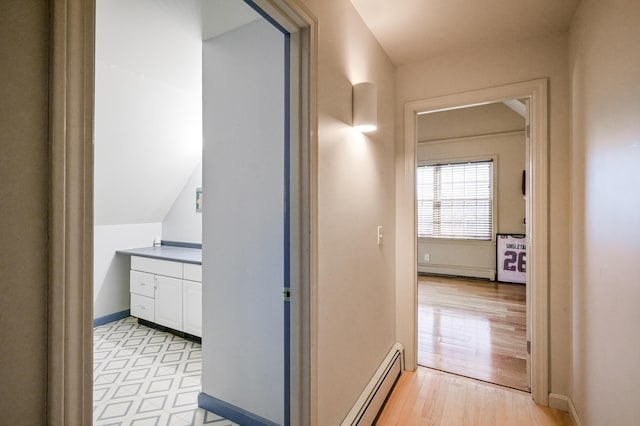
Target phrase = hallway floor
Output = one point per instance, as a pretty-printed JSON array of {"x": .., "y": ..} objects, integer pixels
[
  {"x": 143, "y": 376},
  {"x": 473, "y": 328},
  {"x": 431, "y": 397}
]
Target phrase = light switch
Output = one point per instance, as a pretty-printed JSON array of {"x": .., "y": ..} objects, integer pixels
[{"x": 380, "y": 235}]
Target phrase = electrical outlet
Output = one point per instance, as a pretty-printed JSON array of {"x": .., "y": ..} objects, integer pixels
[{"x": 427, "y": 258}]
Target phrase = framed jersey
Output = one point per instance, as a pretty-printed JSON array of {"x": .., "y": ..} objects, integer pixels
[{"x": 511, "y": 258}]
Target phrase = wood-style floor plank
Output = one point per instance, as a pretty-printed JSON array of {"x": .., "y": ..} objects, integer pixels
[
  {"x": 473, "y": 328},
  {"x": 431, "y": 397}
]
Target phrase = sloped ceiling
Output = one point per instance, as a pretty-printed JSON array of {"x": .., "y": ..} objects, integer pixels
[
  {"x": 148, "y": 105},
  {"x": 470, "y": 121},
  {"x": 414, "y": 30},
  {"x": 221, "y": 16}
]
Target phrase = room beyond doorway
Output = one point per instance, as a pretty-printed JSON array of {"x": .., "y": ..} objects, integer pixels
[
  {"x": 473, "y": 328},
  {"x": 470, "y": 191}
]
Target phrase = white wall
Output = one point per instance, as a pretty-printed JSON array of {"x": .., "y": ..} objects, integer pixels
[
  {"x": 356, "y": 193},
  {"x": 486, "y": 132},
  {"x": 243, "y": 222},
  {"x": 493, "y": 66},
  {"x": 111, "y": 270},
  {"x": 148, "y": 137},
  {"x": 148, "y": 113},
  {"x": 605, "y": 70},
  {"x": 182, "y": 222}
]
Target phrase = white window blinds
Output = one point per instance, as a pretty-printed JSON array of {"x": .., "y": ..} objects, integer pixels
[{"x": 456, "y": 200}]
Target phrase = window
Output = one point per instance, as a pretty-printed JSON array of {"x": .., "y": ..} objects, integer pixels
[{"x": 456, "y": 200}]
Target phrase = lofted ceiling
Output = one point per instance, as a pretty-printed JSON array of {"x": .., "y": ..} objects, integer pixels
[
  {"x": 148, "y": 104},
  {"x": 414, "y": 30}
]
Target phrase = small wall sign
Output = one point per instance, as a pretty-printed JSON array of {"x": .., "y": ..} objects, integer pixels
[{"x": 198, "y": 200}]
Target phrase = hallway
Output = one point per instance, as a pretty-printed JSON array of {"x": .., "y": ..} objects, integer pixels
[{"x": 431, "y": 397}]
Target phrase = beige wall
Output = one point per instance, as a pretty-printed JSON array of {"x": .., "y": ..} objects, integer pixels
[
  {"x": 468, "y": 257},
  {"x": 356, "y": 310},
  {"x": 605, "y": 70},
  {"x": 24, "y": 186},
  {"x": 493, "y": 66},
  {"x": 480, "y": 132}
]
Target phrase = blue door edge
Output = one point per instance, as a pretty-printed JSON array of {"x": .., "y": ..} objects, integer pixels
[
  {"x": 231, "y": 412},
  {"x": 287, "y": 205}
]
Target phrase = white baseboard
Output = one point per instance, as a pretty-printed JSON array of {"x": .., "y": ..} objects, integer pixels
[
  {"x": 559, "y": 402},
  {"x": 373, "y": 396},
  {"x": 574, "y": 414},
  {"x": 564, "y": 403},
  {"x": 459, "y": 271}
]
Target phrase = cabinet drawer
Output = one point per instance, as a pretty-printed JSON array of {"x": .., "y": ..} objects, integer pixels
[
  {"x": 157, "y": 266},
  {"x": 142, "y": 307},
  {"x": 192, "y": 272},
  {"x": 142, "y": 283}
]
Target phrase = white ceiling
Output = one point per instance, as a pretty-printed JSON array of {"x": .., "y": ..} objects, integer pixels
[{"x": 414, "y": 30}]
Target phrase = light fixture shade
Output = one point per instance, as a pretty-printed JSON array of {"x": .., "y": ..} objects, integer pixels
[{"x": 365, "y": 107}]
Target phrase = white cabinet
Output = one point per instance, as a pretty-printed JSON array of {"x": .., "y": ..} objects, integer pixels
[
  {"x": 192, "y": 272},
  {"x": 142, "y": 283},
  {"x": 192, "y": 307},
  {"x": 143, "y": 307},
  {"x": 168, "y": 293},
  {"x": 142, "y": 287},
  {"x": 169, "y": 302}
]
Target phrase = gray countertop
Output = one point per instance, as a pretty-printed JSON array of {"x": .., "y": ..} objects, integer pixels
[{"x": 172, "y": 253}]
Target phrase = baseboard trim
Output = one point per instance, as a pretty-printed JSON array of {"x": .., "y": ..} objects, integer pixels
[
  {"x": 368, "y": 406},
  {"x": 231, "y": 412},
  {"x": 111, "y": 317},
  {"x": 574, "y": 413},
  {"x": 459, "y": 271},
  {"x": 559, "y": 402}
]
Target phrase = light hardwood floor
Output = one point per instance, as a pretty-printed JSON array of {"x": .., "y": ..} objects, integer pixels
[
  {"x": 431, "y": 397},
  {"x": 473, "y": 328}
]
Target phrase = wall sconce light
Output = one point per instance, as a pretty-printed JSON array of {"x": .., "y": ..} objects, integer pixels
[{"x": 365, "y": 107}]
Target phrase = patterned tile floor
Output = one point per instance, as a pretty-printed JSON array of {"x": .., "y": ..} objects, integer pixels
[{"x": 143, "y": 376}]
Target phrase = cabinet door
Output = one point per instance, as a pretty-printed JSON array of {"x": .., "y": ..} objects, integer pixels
[
  {"x": 192, "y": 307},
  {"x": 169, "y": 302}
]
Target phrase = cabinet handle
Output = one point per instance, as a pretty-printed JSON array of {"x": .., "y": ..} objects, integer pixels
[{"x": 142, "y": 307}]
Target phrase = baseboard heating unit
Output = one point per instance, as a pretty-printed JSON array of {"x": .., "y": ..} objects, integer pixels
[{"x": 367, "y": 407}]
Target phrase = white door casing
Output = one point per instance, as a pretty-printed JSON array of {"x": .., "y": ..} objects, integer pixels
[
  {"x": 537, "y": 223},
  {"x": 70, "y": 300}
]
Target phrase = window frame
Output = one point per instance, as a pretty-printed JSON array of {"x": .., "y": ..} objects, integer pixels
[{"x": 494, "y": 209}]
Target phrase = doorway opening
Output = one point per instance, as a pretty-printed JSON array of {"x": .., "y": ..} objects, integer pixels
[
  {"x": 535, "y": 92},
  {"x": 174, "y": 123},
  {"x": 470, "y": 195},
  {"x": 70, "y": 313}
]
